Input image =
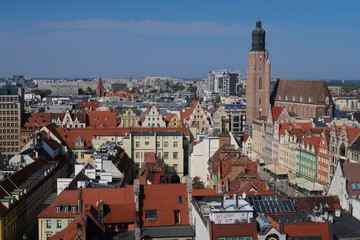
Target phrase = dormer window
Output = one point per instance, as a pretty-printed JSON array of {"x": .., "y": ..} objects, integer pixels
[
  {"x": 301, "y": 98},
  {"x": 310, "y": 99},
  {"x": 327, "y": 100},
  {"x": 293, "y": 98},
  {"x": 73, "y": 208},
  {"x": 66, "y": 208},
  {"x": 57, "y": 208},
  {"x": 286, "y": 97},
  {"x": 279, "y": 97}
]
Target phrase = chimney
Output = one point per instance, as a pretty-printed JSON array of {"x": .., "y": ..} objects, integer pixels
[
  {"x": 189, "y": 192},
  {"x": 137, "y": 203},
  {"x": 80, "y": 199},
  {"x": 224, "y": 138},
  {"x": 236, "y": 197},
  {"x": 101, "y": 211}
]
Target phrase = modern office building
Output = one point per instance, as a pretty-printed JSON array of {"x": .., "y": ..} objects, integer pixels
[
  {"x": 11, "y": 109},
  {"x": 224, "y": 82}
]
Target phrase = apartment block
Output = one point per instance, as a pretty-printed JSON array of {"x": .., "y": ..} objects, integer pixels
[{"x": 11, "y": 109}]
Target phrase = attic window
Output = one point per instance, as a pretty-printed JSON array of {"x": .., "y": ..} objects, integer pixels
[
  {"x": 57, "y": 208},
  {"x": 286, "y": 97},
  {"x": 279, "y": 97},
  {"x": 353, "y": 187},
  {"x": 301, "y": 98},
  {"x": 293, "y": 98},
  {"x": 310, "y": 99}
]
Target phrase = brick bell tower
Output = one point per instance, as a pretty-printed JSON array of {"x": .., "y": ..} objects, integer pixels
[{"x": 257, "y": 77}]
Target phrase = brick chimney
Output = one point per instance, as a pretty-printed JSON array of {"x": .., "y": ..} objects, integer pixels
[
  {"x": 224, "y": 138},
  {"x": 101, "y": 211}
]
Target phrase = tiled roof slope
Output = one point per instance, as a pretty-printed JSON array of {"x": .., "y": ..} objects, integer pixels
[
  {"x": 351, "y": 173},
  {"x": 164, "y": 198}
]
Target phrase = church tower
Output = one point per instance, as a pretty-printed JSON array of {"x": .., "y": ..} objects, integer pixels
[
  {"x": 258, "y": 77},
  {"x": 100, "y": 91}
]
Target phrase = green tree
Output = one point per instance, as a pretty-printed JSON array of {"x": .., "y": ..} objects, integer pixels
[
  {"x": 242, "y": 91},
  {"x": 192, "y": 89},
  {"x": 197, "y": 183},
  {"x": 42, "y": 93},
  {"x": 216, "y": 99}
]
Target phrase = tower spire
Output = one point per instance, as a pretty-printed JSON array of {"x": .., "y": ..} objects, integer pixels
[{"x": 258, "y": 37}]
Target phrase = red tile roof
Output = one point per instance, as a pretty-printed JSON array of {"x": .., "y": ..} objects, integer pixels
[
  {"x": 164, "y": 198},
  {"x": 204, "y": 192},
  {"x": 32, "y": 120},
  {"x": 88, "y": 105},
  {"x": 352, "y": 133},
  {"x": 123, "y": 202},
  {"x": 276, "y": 111},
  {"x": 233, "y": 230},
  {"x": 328, "y": 202},
  {"x": 245, "y": 137},
  {"x": 103, "y": 119},
  {"x": 313, "y": 141}
]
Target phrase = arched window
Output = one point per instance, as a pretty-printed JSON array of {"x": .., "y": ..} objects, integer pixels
[
  {"x": 342, "y": 150},
  {"x": 260, "y": 83}
]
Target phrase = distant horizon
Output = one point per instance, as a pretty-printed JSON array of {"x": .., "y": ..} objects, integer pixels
[
  {"x": 69, "y": 39},
  {"x": 184, "y": 78}
]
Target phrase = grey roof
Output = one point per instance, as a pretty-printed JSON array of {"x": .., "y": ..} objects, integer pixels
[
  {"x": 168, "y": 232},
  {"x": 319, "y": 123},
  {"x": 346, "y": 226},
  {"x": 355, "y": 146},
  {"x": 169, "y": 133},
  {"x": 9, "y": 91}
]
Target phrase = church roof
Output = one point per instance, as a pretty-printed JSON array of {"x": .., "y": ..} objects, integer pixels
[{"x": 302, "y": 91}]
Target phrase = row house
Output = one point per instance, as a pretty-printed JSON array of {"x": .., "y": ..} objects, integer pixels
[
  {"x": 258, "y": 126},
  {"x": 195, "y": 117},
  {"x": 276, "y": 114},
  {"x": 69, "y": 119},
  {"x": 172, "y": 120},
  {"x": 307, "y": 164},
  {"x": 341, "y": 137},
  {"x": 152, "y": 118},
  {"x": 130, "y": 117}
]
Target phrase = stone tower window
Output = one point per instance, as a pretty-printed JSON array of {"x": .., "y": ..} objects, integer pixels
[{"x": 260, "y": 83}]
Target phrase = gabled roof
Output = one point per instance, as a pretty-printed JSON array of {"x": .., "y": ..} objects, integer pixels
[
  {"x": 313, "y": 141},
  {"x": 276, "y": 111}
]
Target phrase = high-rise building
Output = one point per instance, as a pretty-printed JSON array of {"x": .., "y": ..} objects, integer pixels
[
  {"x": 11, "y": 109},
  {"x": 258, "y": 77},
  {"x": 224, "y": 82}
]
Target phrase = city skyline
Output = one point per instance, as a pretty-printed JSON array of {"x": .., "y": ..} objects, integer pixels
[{"x": 186, "y": 40}]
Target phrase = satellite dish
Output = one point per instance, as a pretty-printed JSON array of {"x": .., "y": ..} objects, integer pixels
[{"x": 244, "y": 195}]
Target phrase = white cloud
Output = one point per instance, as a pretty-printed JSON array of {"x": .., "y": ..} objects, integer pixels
[{"x": 151, "y": 27}]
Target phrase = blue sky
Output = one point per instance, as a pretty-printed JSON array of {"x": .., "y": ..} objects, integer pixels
[{"x": 305, "y": 39}]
